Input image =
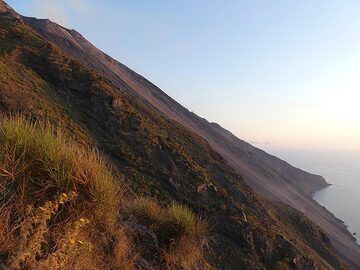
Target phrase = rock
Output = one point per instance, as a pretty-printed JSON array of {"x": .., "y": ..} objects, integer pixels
[{"x": 146, "y": 240}]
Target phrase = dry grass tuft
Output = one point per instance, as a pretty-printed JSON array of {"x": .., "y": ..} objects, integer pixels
[
  {"x": 37, "y": 163},
  {"x": 185, "y": 236},
  {"x": 181, "y": 234},
  {"x": 58, "y": 201},
  {"x": 59, "y": 209},
  {"x": 145, "y": 211}
]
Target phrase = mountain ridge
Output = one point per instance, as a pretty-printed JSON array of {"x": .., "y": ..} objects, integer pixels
[
  {"x": 71, "y": 87},
  {"x": 269, "y": 176}
]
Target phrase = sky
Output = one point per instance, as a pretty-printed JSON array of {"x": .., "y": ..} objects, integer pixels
[{"x": 280, "y": 74}]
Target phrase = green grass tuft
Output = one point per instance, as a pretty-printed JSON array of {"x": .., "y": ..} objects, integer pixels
[
  {"x": 179, "y": 221},
  {"x": 38, "y": 162},
  {"x": 183, "y": 237}
]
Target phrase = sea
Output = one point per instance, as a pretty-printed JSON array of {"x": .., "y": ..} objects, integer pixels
[{"x": 342, "y": 170}]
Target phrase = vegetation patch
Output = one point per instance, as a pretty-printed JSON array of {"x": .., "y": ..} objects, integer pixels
[
  {"x": 60, "y": 209},
  {"x": 182, "y": 236}
]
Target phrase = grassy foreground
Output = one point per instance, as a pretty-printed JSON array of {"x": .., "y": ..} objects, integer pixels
[{"x": 61, "y": 208}]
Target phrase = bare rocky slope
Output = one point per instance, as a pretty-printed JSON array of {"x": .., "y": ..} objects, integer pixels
[
  {"x": 131, "y": 119},
  {"x": 266, "y": 174}
]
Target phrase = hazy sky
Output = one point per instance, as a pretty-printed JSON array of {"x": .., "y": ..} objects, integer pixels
[{"x": 280, "y": 74}]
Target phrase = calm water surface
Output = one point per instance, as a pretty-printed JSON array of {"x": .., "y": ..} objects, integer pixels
[{"x": 342, "y": 170}]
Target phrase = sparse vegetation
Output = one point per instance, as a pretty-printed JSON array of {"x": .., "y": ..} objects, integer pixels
[
  {"x": 54, "y": 196},
  {"x": 182, "y": 235},
  {"x": 60, "y": 208},
  {"x": 38, "y": 163}
]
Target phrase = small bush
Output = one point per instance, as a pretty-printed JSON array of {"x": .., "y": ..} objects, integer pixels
[
  {"x": 145, "y": 211},
  {"x": 179, "y": 221},
  {"x": 181, "y": 234},
  {"x": 185, "y": 236}
]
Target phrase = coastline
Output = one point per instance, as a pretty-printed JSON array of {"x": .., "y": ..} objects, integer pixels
[{"x": 335, "y": 215}]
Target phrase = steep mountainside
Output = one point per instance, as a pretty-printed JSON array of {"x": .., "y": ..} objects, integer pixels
[
  {"x": 157, "y": 156},
  {"x": 266, "y": 174}
]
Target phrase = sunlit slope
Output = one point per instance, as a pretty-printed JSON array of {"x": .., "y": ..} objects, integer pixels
[
  {"x": 62, "y": 208},
  {"x": 156, "y": 156},
  {"x": 266, "y": 174}
]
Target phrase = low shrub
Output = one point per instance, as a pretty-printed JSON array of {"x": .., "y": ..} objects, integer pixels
[
  {"x": 179, "y": 221},
  {"x": 185, "y": 237},
  {"x": 182, "y": 236}
]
